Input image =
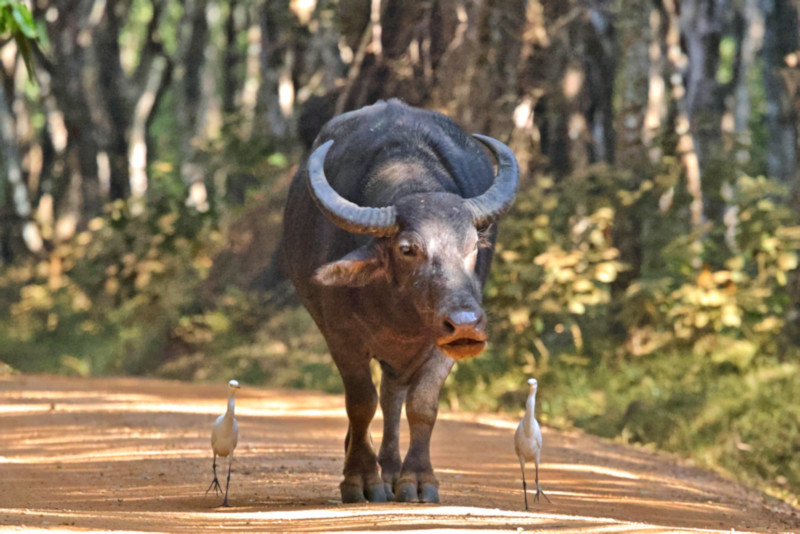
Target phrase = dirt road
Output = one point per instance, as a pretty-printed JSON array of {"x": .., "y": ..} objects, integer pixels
[{"x": 133, "y": 454}]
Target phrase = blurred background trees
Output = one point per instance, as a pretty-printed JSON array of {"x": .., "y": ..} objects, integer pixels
[{"x": 648, "y": 274}]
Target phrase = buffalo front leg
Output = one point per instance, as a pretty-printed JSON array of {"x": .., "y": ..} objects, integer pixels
[
  {"x": 362, "y": 481},
  {"x": 416, "y": 481},
  {"x": 392, "y": 396}
]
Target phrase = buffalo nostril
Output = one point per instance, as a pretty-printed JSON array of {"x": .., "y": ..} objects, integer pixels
[
  {"x": 464, "y": 321},
  {"x": 464, "y": 318},
  {"x": 449, "y": 327}
]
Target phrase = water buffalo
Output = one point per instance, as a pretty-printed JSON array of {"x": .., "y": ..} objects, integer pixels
[{"x": 387, "y": 238}]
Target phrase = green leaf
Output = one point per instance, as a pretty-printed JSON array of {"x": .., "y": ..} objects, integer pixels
[
  {"x": 24, "y": 46},
  {"x": 278, "y": 160},
  {"x": 24, "y": 19},
  {"x": 4, "y": 19}
]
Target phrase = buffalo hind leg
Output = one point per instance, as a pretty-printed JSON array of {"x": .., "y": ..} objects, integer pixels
[
  {"x": 362, "y": 481},
  {"x": 417, "y": 481},
  {"x": 392, "y": 396}
]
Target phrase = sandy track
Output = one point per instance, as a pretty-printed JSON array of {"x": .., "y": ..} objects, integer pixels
[{"x": 133, "y": 454}]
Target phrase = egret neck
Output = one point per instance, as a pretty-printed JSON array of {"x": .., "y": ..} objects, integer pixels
[{"x": 530, "y": 408}]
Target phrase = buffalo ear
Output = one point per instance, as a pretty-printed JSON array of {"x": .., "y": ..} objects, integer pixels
[{"x": 357, "y": 269}]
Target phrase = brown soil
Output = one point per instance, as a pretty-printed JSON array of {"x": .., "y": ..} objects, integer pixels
[{"x": 133, "y": 454}]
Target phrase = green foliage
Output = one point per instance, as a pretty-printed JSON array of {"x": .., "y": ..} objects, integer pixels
[
  {"x": 17, "y": 20},
  {"x": 16, "y": 17},
  {"x": 256, "y": 339},
  {"x": 131, "y": 293},
  {"x": 554, "y": 267},
  {"x": 694, "y": 354},
  {"x": 105, "y": 301},
  {"x": 744, "y": 423},
  {"x": 734, "y": 309}
]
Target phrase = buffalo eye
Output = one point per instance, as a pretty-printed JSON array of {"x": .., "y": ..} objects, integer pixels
[{"x": 408, "y": 249}]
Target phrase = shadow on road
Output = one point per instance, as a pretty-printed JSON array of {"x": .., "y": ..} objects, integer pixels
[{"x": 132, "y": 454}]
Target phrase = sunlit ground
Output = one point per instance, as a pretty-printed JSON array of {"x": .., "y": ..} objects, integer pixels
[{"x": 125, "y": 454}]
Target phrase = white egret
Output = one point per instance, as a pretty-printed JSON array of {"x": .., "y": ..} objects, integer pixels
[
  {"x": 224, "y": 436},
  {"x": 528, "y": 441}
]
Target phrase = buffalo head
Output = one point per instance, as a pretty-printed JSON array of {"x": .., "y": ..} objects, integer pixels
[{"x": 426, "y": 247}]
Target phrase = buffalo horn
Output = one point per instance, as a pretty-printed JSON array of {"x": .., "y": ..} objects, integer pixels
[
  {"x": 347, "y": 215},
  {"x": 498, "y": 198}
]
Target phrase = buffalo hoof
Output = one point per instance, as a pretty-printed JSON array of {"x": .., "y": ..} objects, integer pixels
[
  {"x": 387, "y": 488},
  {"x": 352, "y": 493},
  {"x": 406, "y": 492},
  {"x": 430, "y": 494},
  {"x": 376, "y": 493}
]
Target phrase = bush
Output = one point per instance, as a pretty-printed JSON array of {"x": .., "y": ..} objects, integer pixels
[
  {"x": 105, "y": 301},
  {"x": 691, "y": 352}
]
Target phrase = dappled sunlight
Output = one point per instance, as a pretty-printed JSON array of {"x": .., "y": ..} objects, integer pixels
[
  {"x": 491, "y": 422},
  {"x": 645, "y": 470},
  {"x": 340, "y": 519},
  {"x": 619, "y": 457},
  {"x": 590, "y": 485},
  {"x": 127, "y": 404},
  {"x": 596, "y": 469},
  {"x": 660, "y": 504},
  {"x": 632, "y": 527},
  {"x": 117, "y": 458},
  {"x": 108, "y": 406},
  {"x": 476, "y": 471},
  {"x": 119, "y": 454},
  {"x": 64, "y": 396}
]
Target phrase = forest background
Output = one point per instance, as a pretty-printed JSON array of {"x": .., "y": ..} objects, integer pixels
[{"x": 647, "y": 275}]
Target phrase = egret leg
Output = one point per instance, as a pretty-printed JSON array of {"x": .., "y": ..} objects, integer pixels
[
  {"x": 215, "y": 482},
  {"x": 228, "y": 483},
  {"x": 524, "y": 487},
  {"x": 539, "y": 488}
]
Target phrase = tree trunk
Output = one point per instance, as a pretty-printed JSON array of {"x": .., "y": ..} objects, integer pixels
[
  {"x": 188, "y": 75},
  {"x": 15, "y": 205},
  {"x": 142, "y": 114},
  {"x": 633, "y": 92},
  {"x": 112, "y": 84},
  {"x": 253, "y": 76},
  {"x": 632, "y": 88},
  {"x": 275, "y": 24},
  {"x": 231, "y": 59},
  {"x": 780, "y": 39},
  {"x": 701, "y": 31},
  {"x": 78, "y": 197}
]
